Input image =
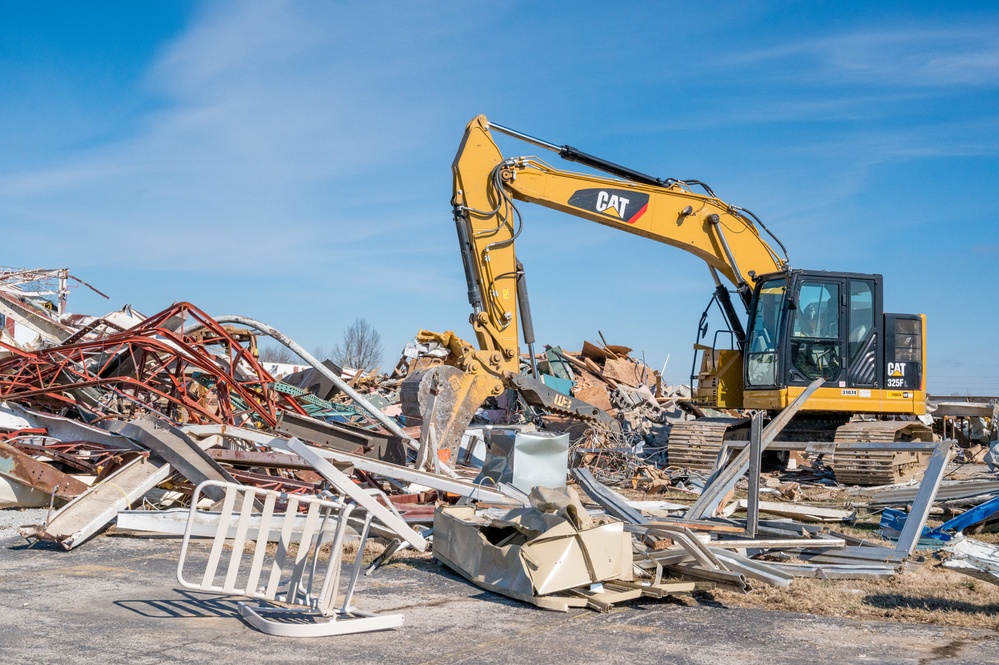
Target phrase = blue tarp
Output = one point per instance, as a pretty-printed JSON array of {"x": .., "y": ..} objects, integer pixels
[{"x": 892, "y": 521}]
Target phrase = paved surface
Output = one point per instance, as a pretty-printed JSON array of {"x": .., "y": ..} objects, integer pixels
[
  {"x": 11, "y": 519},
  {"x": 116, "y": 600}
]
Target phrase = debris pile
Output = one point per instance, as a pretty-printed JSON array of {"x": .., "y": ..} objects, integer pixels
[{"x": 170, "y": 424}]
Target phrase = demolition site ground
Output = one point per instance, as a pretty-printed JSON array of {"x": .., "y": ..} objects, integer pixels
[
  {"x": 117, "y": 601},
  {"x": 163, "y": 490}
]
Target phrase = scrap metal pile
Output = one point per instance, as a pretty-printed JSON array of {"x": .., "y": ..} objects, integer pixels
[{"x": 171, "y": 424}]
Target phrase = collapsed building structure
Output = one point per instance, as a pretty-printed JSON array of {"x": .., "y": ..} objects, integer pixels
[{"x": 171, "y": 424}]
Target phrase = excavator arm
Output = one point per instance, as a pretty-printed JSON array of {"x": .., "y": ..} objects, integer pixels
[{"x": 487, "y": 187}]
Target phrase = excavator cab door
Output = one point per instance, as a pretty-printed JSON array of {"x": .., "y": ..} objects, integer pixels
[
  {"x": 812, "y": 324},
  {"x": 815, "y": 343}
]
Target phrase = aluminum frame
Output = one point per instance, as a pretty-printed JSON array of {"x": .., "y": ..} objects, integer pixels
[{"x": 292, "y": 576}]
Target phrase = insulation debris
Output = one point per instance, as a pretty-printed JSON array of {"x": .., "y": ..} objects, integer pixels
[{"x": 551, "y": 554}]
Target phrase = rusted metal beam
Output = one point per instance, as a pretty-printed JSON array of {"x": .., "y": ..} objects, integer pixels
[
  {"x": 341, "y": 436},
  {"x": 279, "y": 483},
  {"x": 256, "y": 458},
  {"x": 26, "y": 470},
  {"x": 55, "y": 451}
]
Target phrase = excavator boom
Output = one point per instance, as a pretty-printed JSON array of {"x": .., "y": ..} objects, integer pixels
[{"x": 487, "y": 187}]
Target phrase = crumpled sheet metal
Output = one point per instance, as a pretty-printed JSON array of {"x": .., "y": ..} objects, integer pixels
[
  {"x": 532, "y": 555},
  {"x": 19, "y": 467},
  {"x": 525, "y": 459},
  {"x": 15, "y": 494},
  {"x": 975, "y": 558}
]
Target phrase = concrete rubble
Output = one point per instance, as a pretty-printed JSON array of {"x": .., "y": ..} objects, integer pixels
[{"x": 125, "y": 418}]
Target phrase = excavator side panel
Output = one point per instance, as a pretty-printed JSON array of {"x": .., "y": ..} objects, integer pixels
[
  {"x": 841, "y": 400},
  {"x": 719, "y": 383}
]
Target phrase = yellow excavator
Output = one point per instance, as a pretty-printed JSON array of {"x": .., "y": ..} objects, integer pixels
[{"x": 801, "y": 324}]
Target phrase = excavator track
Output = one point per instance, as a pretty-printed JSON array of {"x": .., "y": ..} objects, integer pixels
[
  {"x": 694, "y": 444},
  {"x": 879, "y": 467}
]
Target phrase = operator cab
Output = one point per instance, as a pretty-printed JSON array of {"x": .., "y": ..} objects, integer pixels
[{"x": 809, "y": 324}]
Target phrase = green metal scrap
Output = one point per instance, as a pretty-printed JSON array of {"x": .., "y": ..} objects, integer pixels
[
  {"x": 316, "y": 405},
  {"x": 557, "y": 363}
]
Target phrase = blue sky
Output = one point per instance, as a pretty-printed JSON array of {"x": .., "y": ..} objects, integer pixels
[{"x": 290, "y": 161}]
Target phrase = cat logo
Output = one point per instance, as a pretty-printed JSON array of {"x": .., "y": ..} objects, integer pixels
[
  {"x": 896, "y": 369},
  {"x": 612, "y": 204},
  {"x": 618, "y": 204}
]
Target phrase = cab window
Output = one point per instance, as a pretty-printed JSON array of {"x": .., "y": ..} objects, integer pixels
[
  {"x": 817, "y": 315},
  {"x": 761, "y": 358},
  {"x": 861, "y": 314},
  {"x": 815, "y": 331}
]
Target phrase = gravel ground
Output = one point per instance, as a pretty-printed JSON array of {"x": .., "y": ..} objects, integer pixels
[
  {"x": 116, "y": 600},
  {"x": 11, "y": 519}
]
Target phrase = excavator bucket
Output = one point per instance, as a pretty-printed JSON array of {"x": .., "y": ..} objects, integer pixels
[{"x": 445, "y": 398}]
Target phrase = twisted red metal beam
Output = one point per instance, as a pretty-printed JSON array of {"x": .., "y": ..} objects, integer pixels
[{"x": 147, "y": 363}]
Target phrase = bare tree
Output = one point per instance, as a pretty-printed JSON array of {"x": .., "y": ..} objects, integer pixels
[
  {"x": 361, "y": 347},
  {"x": 278, "y": 354}
]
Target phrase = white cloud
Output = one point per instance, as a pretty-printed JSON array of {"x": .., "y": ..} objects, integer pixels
[
  {"x": 270, "y": 119},
  {"x": 898, "y": 58}
]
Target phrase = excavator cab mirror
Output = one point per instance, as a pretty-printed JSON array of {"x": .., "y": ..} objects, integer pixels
[
  {"x": 702, "y": 327},
  {"x": 792, "y": 301}
]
